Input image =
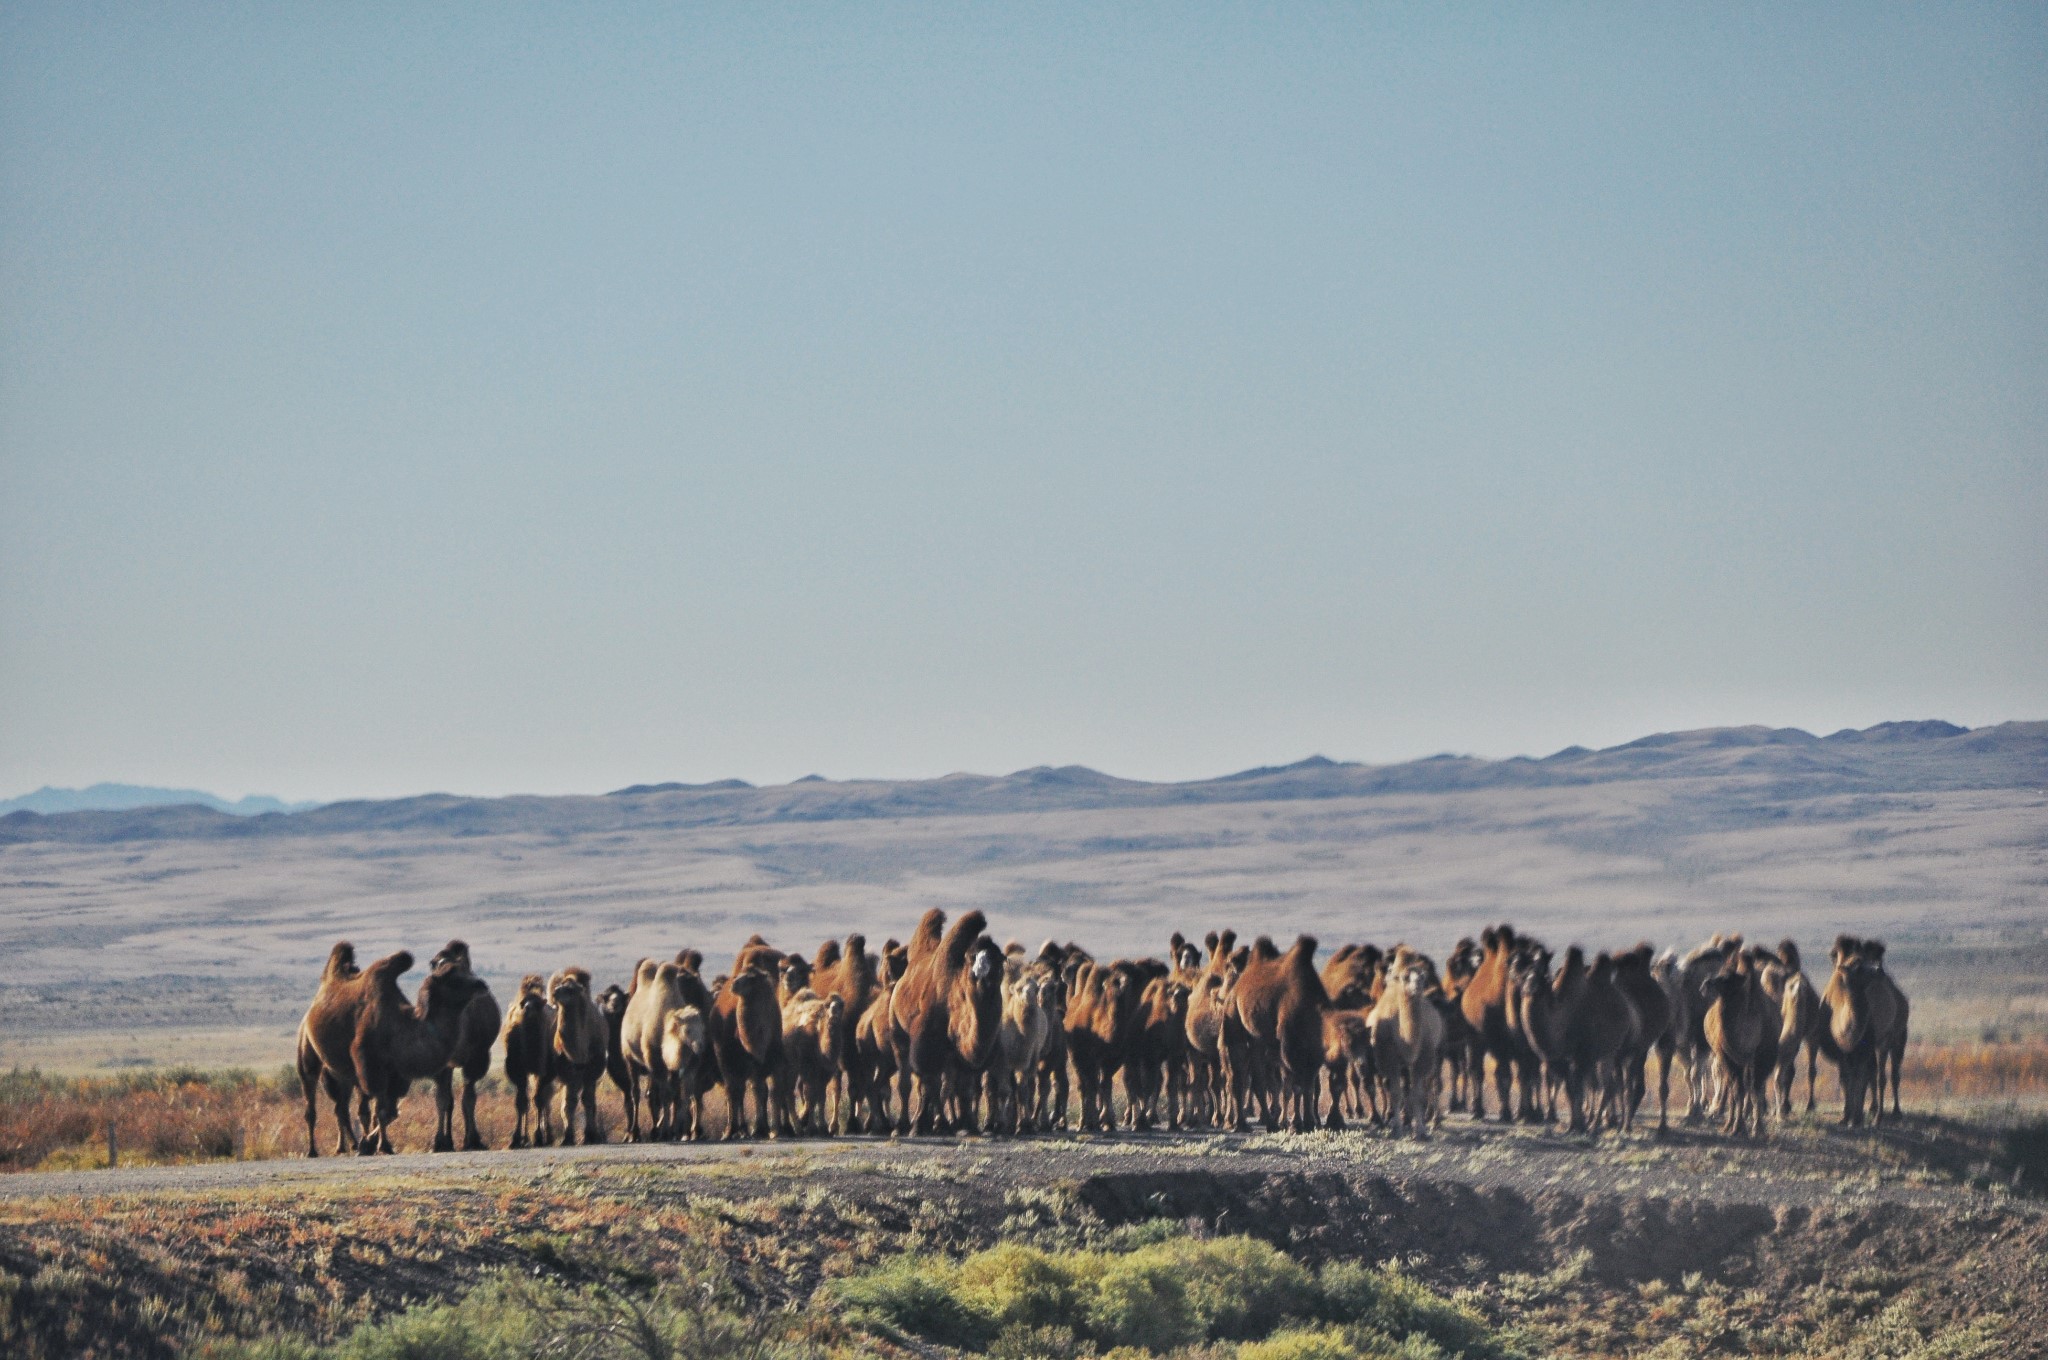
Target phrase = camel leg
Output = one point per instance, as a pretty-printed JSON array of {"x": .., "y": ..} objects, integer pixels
[
  {"x": 593, "y": 1132},
  {"x": 1898, "y": 1062},
  {"x": 444, "y": 1111},
  {"x": 1812, "y": 1062},
  {"x": 309, "y": 1083},
  {"x": 764, "y": 1105}
]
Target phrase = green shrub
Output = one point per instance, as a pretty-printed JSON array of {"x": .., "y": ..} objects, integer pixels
[
  {"x": 1238, "y": 1287},
  {"x": 1138, "y": 1300},
  {"x": 1321, "y": 1343},
  {"x": 1017, "y": 1286},
  {"x": 918, "y": 1295},
  {"x": 1399, "y": 1306}
]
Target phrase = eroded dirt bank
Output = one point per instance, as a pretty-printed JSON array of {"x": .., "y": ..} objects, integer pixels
[{"x": 1601, "y": 1251}]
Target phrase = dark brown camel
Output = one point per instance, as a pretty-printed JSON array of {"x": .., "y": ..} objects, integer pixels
[
  {"x": 471, "y": 1055},
  {"x": 746, "y": 1035},
  {"x": 944, "y": 1017}
]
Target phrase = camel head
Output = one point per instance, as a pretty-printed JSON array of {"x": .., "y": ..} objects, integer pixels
[
  {"x": 796, "y": 976},
  {"x": 454, "y": 955},
  {"x": 612, "y": 1002},
  {"x": 446, "y": 992},
  {"x": 1529, "y": 971}
]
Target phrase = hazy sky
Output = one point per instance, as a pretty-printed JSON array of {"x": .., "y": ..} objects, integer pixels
[{"x": 495, "y": 398}]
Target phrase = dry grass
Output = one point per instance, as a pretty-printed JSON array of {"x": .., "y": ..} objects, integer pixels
[{"x": 52, "y": 1123}]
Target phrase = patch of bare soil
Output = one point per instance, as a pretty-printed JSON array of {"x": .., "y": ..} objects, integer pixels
[{"x": 1594, "y": 1249}]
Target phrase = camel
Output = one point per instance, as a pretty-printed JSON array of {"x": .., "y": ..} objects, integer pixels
[
  {"x": 471, "y": 1055},
  {"x": 577, "y": 1055},
  {"x": 1890, "y": 1014},
  {"x": 1050, "y": 1101},
  {"x": 1208, "y": 1005},
  {"x": 1741, "y": 1027},
  {"x": 659, "y": 991},
  {"x": 360, "y": 1034},
  {"x": 1279, "y": 1000},
  {"x": 1799, "y": 1022},
  {"x": 1158, "y": 1064},
  {"x": 1864, "y": 1025},
  {"x": 1347, "y": 1055},
  {"x": 1463, "y": 1050},
  {"x": 1485, "y": 1001},
  {"x": 1020, "y": 1050},
  {"x": 944, "y": 1017},
  {"x": 1657, "y": 1031},
  {"x": 1407, "y": 1042},
  {"x": 338, "y": 989},
  {"x": 612, "y": 1003},
  {"x": 854, "y": 976},
  {"x": 686, "y": 1056},
  {"x": 529, "y": 1036},
  {"x": 812, "y": 1027},
  {"x": 746, "y": 1037},
  {"x": 1695, "y": 972},
  {"x": 1102, "y": 1011},
  {"x": 871, "y": 1063}
]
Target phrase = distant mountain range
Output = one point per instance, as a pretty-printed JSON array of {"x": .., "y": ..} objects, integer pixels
[
  {"x": 126, "y": 797},
  {"x": 1746, "y": 762}
]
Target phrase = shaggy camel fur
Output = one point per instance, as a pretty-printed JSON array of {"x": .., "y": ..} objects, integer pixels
[
  {"x": 1489, "y": 1009},
  {"x": 746, "y": 1036},
  {"x": 1463, "y": 1050},
  {"x": 471, "y": 1055},
  {"x": 577, "y": 1056},
  {"x": 1656, "y": 1031},
  {"x": 366, "y": 1037},
  {"x": 812, "y": 1026},
  {"x": 1102, "y": 1012},
  {"x": 1053, "y": 1091},
  {"x": 1580, "y": 1024},
  {"x": 659, "y": 991},
  {"x": 612, "y": 1003},
  {"x": 1799, "y": 1022},
  {"x": 1279, "y": 999},
  {"x": 1208, "y": 1007},
  {"x": 335, "y": 999},
  {"x": 1890, "y": 1015},
  {"x": 1157, "y": 1069},
  {"x": 854, "y": 976},
  {"x": 872, "y": 1061},
  {"x": 686, "y": 1054},
  {"x": 529, "y": 1037},
  {"x": 1348, "y": 1058},
  {"x": 1741, "y": 1026},
  {"x": 1865, "y": 1022},
  {"x": 1695, "y": 974},
  {"x": 1020, "y": 1049},
  {"x": 944, "y": 1015},
  {"x": 1407, "y": 1041}
]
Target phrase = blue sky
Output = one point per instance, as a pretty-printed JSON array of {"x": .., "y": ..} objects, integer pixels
[{"x": 526, "y": 398}]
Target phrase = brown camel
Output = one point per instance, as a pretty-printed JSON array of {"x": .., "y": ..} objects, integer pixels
[
  {"x": 1102, "y": 1012},
  {"x": 471, "y": 1055},
  {"x": 746, "y": 1036},
  {"x": 1159, "y": 1055},
  {"x": 1657, "y": 1031},
  {"x": 1799, "y": 1023},
  {"x": 1890, "y": 1015},
  {"x": 944, "y": 1016},
  {"x": 1863, "y": 1016},
  {"x": 1020, "y": 1051},
  {"x": 1487, "y": 1005},
  {"x": 811, "y": 1054},
  {"x": 1695, "y": 972},
  {"x": 1407, "y": 1042},
  {"x": 1053, "y": 1091},
  {"x": 334, "y": 1007},
  {"x": 1463, "y": 1051},
  {"x": 367, "y": 1037},
  {"x": 1741, "y": 1027},
  {"x": 529, "y": 1037},
  {"x": 612, "y": 1003},
  {"x": 1208, "y": 1006},
  {"x": 577, "y": 1057},
  {"x": 854, "y": 976},
  {"x": 1279, "y": 999}
]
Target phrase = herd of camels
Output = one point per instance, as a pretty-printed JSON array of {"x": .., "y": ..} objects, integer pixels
[{"x": 955, "y": 1033}]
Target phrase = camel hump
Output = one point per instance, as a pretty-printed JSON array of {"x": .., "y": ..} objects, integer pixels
[
  {"x": 647, "y": 970},
  {"x": 1263, "y": 949},
  {"x": 856, "y": 945},
  {"x": 1303, "y": 949},
  {"x": 392, "y": 966},
  {"x": 1210, "y": 941},
  {"x": 1226, "y": 943},
  {"x": 828, "y": 955},
  {"x": 691, "y": 959},
  {"x": 925, "y": 939},
  {"x": 960, "y": 939},
  {"x": 1788, "y": 953},
  {"x": 341, "y": 962}
]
